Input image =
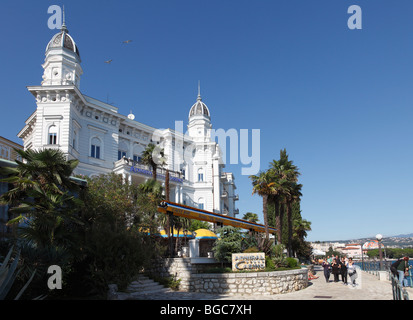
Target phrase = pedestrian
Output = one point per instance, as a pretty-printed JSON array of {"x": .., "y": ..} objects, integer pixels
[
  {"x": 343, "y": 270},
  {"x": 335, "y": 270},
  {"x": 326, "y": 266},
  {"x": 351, "y": 269},
  {"x": 329, "y": 259},
  {"x": 403, "y": 270}
]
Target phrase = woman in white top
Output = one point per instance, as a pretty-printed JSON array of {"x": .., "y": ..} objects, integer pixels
[{"x": 351, "y": 269}]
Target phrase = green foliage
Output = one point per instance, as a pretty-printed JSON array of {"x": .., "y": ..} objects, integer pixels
[
  {"x": 391, "y": 253},
  {"x": 198, "y": 224},
  {"x": 291, "y": 262},
  {"x": 169, "y": 282},
  {"x": 218, "y": 270},
  {"x": 116, "y": 256},
  {"x": 229, "y": 243},
  {"x": 9, "y": 272},
  {"x": 269, "y": 264},
  {"x": 250, "y": 216},
  {"x": 97, "y": 238},
  {"x": 278, "y": 256}
]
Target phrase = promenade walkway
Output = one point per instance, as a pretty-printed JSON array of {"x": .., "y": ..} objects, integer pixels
[{"x": 369, "y": 288}]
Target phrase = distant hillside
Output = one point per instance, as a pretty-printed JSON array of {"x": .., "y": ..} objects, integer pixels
[{"x": 409, "y": 235}]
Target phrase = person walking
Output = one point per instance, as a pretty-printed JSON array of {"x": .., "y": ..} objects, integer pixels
[
  {"x": 326, "y": 266},
  {"x": 343, "y": 270},
  {"x": 334, "y": 268},
  {"x": 351, "y": 269}
]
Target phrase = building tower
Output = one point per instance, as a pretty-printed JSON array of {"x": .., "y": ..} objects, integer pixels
[
  {"x": 62, "y": 62},
  {"x": 50, "y": 125},
  {"x": 199, "y": 124}
]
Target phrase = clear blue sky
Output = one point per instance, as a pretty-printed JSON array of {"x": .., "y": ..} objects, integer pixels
[{"x": 340, "y": 101}]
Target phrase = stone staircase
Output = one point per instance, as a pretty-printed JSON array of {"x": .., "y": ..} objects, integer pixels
[
  {"x": 141, "y": 287},
  {"x": 144, "y": 285}
]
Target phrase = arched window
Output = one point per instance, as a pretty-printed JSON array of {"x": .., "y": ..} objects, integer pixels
[
  {"x": 95, "y": 148},
  {"x": 74, "y": 139},
  {"x": 201, "y": 203},
  {"x": 52, "y": 134}
]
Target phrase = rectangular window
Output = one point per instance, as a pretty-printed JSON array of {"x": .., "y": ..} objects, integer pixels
[
  {"x": 137, "y": 158},
  {"x": 95, "y": 152},
  {"x": 121, "y": 154},
  {"x": 200, "y": 177},
  {"x": 52, "y": 138},
  {"x": 201, "y": 206}
]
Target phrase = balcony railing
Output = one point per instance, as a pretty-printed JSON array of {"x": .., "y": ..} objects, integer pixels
[{"x": 138, "y": 167}]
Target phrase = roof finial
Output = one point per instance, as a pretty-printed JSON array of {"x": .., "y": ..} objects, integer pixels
[
  {"x": 199, "y": 90},
  {"x": 64, "y": 28}
]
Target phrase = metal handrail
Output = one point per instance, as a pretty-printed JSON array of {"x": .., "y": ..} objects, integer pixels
[{"x": 399, "y": 293}]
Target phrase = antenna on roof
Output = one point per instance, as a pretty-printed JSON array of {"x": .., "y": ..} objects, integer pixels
[
  {"x": 64, "y": 28},
  {"x": 199, "y": 90}
]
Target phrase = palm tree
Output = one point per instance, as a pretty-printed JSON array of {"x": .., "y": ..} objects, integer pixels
[
  {"x": 263, "y": 186},
  {"x": 252, "y": 217},
  {"x": 154, "y": 157},
  {"x": 42, "y": 193},
  {"x": 300, "y": 228},
  {"x": 293, "y": 195},
  {"x": 46, "y": 170},
  {"x": 285, "y": 174}
]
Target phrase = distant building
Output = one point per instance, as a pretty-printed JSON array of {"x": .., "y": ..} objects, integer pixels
[
  {"x": 352, "y": 250},
  {"x": 7, "y": 151},
  {"x": 325, "y": 246},
  {"x": 7, "y": 157},
  {"x": 369, "y": 245}
]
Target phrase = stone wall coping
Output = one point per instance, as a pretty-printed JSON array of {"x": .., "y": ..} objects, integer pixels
[{"x": 250, "y": 274}]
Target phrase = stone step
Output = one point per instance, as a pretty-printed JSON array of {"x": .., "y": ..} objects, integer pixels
[{"x": 144, "y": 285}]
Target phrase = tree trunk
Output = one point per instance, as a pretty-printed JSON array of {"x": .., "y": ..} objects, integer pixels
[
  {"x": 278, "y": 219},
  {"x": 290, "y": 228},
  {"x": 281, "y": 214},
  {"x": 264, "y": 211},
  {"x": 167, "y": 185},
  {"x": 154, "y": 167}
]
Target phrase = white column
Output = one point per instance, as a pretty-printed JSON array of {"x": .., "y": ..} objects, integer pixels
[{"x": 216, "y": 186}]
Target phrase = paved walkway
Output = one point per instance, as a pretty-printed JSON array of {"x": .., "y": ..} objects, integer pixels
[{"x": 369, "y": 288}]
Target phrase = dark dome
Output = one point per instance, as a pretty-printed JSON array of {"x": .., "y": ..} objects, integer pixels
[
  {"x": 63, "y": 40},
  {"x": 199, "y": 108}
]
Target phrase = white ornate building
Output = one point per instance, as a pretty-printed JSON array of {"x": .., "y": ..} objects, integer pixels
[{"x": 105, "y": 141}]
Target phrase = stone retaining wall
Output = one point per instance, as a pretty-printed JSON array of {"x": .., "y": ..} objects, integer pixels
[{"x": 247, "y": 283}]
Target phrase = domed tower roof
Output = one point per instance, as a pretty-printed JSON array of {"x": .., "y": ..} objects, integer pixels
[
  {"x": 199, "y": 108},
  {"x": 63, "y": 40}
]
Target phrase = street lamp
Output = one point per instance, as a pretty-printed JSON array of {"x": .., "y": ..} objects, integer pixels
[{"x": 379, "y": 237}]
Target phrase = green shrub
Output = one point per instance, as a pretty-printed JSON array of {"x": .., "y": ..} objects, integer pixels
[
  {"x": 169, "y": 282},
  {"x": 291, "y": 262},
  {"x": 269, "y": 264}
]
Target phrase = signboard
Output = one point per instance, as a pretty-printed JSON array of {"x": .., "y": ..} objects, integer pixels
[
  {"x": 248, "y": 261},
  {"x": 198, "y": 214}
]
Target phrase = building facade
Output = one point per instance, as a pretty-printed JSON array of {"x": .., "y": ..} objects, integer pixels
[
  {"x": 7, "y": 157},
  {"x": 7, "y": 149},
  {"x": 105, "y": 141}
]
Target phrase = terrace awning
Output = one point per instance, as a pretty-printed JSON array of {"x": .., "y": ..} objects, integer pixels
[
  {"x": 180, "y": 210},
  {"x": 205, "y": 234}
]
